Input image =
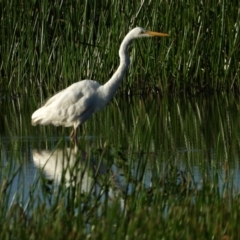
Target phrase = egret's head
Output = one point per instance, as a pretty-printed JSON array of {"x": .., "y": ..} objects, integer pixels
[{"x": 139, "y": 32}]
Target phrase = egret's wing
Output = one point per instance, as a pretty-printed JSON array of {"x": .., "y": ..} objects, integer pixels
[{"x": 77, "y": 102}]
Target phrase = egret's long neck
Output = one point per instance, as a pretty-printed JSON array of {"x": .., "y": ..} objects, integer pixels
[{"x": 113, "y": 83}]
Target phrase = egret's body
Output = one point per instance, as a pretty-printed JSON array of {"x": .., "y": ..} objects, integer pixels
[{"x": 75, "y": 104}]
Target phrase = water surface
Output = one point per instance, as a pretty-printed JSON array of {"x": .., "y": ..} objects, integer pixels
[{"x": 132, "y": 141}]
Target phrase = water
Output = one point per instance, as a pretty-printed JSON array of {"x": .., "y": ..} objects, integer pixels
[{"x": 129, "y": 143}]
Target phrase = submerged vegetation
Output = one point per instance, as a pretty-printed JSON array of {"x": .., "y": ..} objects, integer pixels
[
  {"x": 143, "y": 169},
  {"x": 47, "y": 45}
]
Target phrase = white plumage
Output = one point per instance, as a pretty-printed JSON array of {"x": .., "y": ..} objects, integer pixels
[{"x": 75, "y": 104}]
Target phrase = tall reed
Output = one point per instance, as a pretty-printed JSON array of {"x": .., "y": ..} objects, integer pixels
[{"x": 46, "y": 46}]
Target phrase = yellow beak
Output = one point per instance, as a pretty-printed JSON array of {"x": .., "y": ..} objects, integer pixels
[{"x": 157, "y": 34}]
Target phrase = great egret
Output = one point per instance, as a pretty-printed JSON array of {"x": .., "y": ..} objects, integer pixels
[{"x": 76, "y": 104}]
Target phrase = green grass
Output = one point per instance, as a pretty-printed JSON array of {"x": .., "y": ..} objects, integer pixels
[
  {"x": 167, "y": 209},
  {"x": 46, "y": 46},
  {"x": 176, "y": 158}
]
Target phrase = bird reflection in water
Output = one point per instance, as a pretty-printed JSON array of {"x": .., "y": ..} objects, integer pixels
[{"x": 74, "y": 167}]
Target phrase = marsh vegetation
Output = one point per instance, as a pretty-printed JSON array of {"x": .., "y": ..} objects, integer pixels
[{"x": 161, "y": 161}]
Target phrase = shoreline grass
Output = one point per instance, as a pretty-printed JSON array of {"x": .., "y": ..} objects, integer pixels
[{"x": 171, "y": 207}]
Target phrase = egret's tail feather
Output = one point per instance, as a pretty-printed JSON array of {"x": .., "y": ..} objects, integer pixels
[{"x": 38, "y": 117}]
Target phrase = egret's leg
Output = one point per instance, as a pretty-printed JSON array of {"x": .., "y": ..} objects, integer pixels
[
  {"x": 73, "y": 136},
  {"x": 73, "y": 133}
]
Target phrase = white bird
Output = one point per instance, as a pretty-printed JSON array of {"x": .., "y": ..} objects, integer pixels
[{"x": 75, "y": 104}]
